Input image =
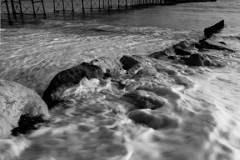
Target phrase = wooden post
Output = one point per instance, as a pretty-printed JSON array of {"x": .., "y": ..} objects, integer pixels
[
  {"x": 8, "y": 13},
  {"x": 13, "y": 10},
  {"x": 91, "y": 5},
  {"x": 44, "y": 12},
  {"x": 54, "y": 7},
  {"x": 83, "y": 10},
  {"x": 34, "y": 13},
  {"x": 21, "y": 12},
  {"x": 108, "y": 5},
  {"x": 99, "y": 5},
  {"x": 63, "y": 6},
  {"x": 72, "y": 7}
]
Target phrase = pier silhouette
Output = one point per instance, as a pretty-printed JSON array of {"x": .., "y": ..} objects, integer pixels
[{"x": 14, "y": 10}]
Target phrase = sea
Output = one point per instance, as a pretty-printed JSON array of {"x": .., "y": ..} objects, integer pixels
[{"x": 207, "y": 114}]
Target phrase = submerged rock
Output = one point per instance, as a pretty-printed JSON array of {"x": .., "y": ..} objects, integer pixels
[
  {"x": 209, "y": 44},
  {"x": 208, "y": 32},
  {"x": 69, "y": 78},
  {"x": 144, "y": 99},
  {"x": 128, "y": 62},
  {"x": 15, "y": 101},
  {"x": 186, "y": 44},
  {"x": 151, "y": 121},
  {"x": 198, "y": 59}
]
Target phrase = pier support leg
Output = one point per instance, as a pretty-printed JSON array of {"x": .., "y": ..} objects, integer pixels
[{"x": 83, "y": 10}]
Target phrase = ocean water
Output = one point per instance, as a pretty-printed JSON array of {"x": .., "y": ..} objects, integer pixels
[{"x": 205, "y": 117}]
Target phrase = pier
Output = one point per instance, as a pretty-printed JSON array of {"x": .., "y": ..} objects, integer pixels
[{"x": 15, "y": 10}]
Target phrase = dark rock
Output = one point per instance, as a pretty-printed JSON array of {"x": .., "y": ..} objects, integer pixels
[
  {"x": 26, "y": 124},
  {"x": 161, "y": 122},
  {"x": 198, "y": 60},
  {"x": 144, "y": 99},
  {"x": 197, "y": 45},
  {"x": 128, "y": 62},
  {"x": 222, "y": 42},
  {"x": 184, "y": 58},
  {"x": 172, "y": 57},
  {"x": 209, "y": 44},
  {"x": 17, "y": 100},
  {"x": 68, "y": 78},
  {"x": 208, "y": 32},
  {"x": 182, "y": 52}
]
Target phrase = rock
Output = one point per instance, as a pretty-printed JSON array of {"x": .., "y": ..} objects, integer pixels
[
  {"x": 160, "y": 122},
  {"x": 107, "y": 64},
  {"x": 209, "y": 44},
  {"x": 173, "y": 57},
  {"x": 146, "y": 72},
  {"x": 182, "y": 52},
  {"x": 111, "y": 67},
  {"x": 162, "y": 54},
  {"x": 158, "y": 55},
  {"x": 128, "y": 62},
  {"x": 17, "y": 100},
  {"x": 184, "y": 58},
  {"x": 198, "y": 59},
  {"x": 186, "y": 44},
  {"x": 144, "y": 99},
  {"x": 208, "y": 32},
  {"x": 27, "y": 123},
  {"x": 69, "y": 78}
]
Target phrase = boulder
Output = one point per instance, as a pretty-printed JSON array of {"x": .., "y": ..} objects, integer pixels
[
  {"x": 208, "y": 32},
  {"x": 210, "y": 44},
  {"x": 198, "y": 59},
  {"x": 15, "y": 101},
  {"x": 182, "y": 52},
  {"x": 69, "y": 78},
  {"x": 144, "y": 99},
  {"x": 128, "y": 62}
]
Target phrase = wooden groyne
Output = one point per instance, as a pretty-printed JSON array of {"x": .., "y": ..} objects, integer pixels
[{"x": 17, "y": 9}]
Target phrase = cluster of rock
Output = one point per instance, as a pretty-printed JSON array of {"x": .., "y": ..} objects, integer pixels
[
  {"x": 193, "y": 53},
  {"x": 21, "y": 108}
]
